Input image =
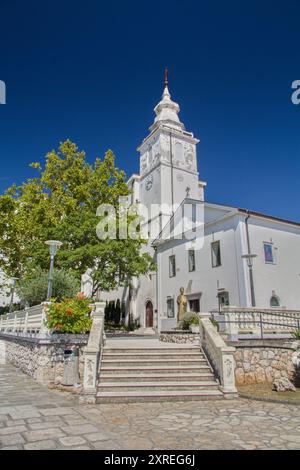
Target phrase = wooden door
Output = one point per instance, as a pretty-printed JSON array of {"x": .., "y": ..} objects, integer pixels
[{"x": 149, "y": 315}]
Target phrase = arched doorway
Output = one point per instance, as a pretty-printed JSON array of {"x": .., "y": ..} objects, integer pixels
[{"x": 149, "y": 314}]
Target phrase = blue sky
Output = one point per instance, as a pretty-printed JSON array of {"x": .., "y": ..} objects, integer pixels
[{"x": 93, "y": 71}]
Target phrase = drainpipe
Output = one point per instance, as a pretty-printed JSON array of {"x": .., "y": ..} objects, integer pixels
[
  {"x": 249, "y": 257},
  {"x": 156, "y": 290},
  {"x": 172, "y": 181}
]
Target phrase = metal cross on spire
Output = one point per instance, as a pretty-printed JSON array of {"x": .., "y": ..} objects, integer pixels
[{"x": 166, "y": 77}]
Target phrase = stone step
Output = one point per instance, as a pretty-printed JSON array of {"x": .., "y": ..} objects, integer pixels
[
  {"x": 147, "y": 362},
  {"x": 146, "y": 350},
  {"x": 154, "y": 355},
  {"x": 156, "y": 377},
  {"x": 160, "y": 396},
  {"x": 157, "y": 369},
  {"x": 156, "y": 386}
]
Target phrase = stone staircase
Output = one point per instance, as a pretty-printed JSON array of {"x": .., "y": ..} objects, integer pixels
[{"x": 155, "y": 374}]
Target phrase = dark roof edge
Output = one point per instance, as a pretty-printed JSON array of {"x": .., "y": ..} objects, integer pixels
[
  {"x": 266, "y": 216},
  {"x": 257, "y": 214}
]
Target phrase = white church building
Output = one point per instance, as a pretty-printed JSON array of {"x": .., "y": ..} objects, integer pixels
[{"x": 244, "y": 259}]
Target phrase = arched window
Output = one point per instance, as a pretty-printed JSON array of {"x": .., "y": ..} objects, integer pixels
[{"x": 274, "y": 301}]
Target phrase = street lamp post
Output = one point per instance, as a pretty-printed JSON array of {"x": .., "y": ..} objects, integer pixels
[{"x": 53, "y": 247}]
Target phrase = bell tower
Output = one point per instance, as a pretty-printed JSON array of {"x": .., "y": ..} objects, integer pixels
[{"x": 168, "y": 160}]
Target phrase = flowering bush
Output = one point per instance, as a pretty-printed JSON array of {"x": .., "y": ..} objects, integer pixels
[{"x": 70, "y": 315}]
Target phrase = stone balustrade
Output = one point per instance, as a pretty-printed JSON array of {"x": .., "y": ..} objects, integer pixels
[
  {"x": 240, "y": 323},
  {"x": 220, "y": 355},
  {"x": 92, "y": 354},
  {"x": 30, "y": 321}
]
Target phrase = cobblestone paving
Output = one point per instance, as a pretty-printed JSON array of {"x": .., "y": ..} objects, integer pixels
[{"x": 33, "y": 417}]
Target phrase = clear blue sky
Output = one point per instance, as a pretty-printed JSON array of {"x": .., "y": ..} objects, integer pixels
[{"x": 92, "y": 71}]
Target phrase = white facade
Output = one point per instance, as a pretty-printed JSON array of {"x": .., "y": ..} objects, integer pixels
[
  {"x": 168, "y": 178},
  {"x": 274, "y": 282}
]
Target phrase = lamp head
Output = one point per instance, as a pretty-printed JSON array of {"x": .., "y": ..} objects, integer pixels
[{"x": 53, "y": 246}]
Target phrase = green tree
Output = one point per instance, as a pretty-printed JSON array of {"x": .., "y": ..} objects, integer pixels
[
  {"x": 61, "y": 203},
  {"x": 33, "y": 289}
]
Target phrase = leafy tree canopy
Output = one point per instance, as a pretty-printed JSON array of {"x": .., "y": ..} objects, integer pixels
[
  {"x": 32, "y": 290},
  {"x": 61, "y": 203}
]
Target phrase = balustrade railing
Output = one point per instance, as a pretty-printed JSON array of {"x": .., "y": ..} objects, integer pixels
[
  {"x": 239, "y": 322},
  {"x": 220, "y": 356},
  {"x": 92, "y": 353},
  {"x": 31, "y": 320}
]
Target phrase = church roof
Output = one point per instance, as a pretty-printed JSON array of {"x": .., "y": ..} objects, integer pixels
[
  {"x": 270, "y": 217},
  {"x": 231, "y": 211}
]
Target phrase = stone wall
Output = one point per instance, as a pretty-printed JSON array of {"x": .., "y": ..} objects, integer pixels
[
  {"x": 179, "y": 337},
  {"x": 41, "y": 359},
  {"x": 259, "y": 361}
]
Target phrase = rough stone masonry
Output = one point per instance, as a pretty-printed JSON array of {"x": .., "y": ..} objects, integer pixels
[
  {"x": 263, "y": 364},
  {"x": 41, "y": 359}
]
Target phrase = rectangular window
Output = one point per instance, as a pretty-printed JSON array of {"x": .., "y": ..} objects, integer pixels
[
  {"x": 269, "y": 253},
  {"x": 192, "y": 266},
  {"x": 194, "y": 215},
  {"x": 216, "y": 254},
  {"x": 194, "y": 305},
  {"x": 170, "y": 308},
  {"x": 172, "y": 266}
]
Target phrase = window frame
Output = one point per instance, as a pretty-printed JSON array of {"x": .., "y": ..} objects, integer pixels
[
  {"x": 173, "y": 274},
  {"x": 274, "y": 296},
  {"x": 171, "y": 301},
  {"x": 218, "y": 243},
  {"x": 273, "y": 253},
  {"x": 194, "y": 261}
]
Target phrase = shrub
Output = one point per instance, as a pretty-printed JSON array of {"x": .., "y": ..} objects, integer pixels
[
  {"x": 113, "y": 312},
  {"x": 132, "y": 326},
  {"x": 296, "y": 334},
  {"x": 70, "y": 315},
  {"x": 4, "y": 310},
  {"x": 33, "y": 289},
  {"x": 190, "y": 318}
]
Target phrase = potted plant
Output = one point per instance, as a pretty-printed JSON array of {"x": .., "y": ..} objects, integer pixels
[{"x": 191, "y": 322}]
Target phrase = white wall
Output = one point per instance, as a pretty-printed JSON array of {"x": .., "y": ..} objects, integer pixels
[
  {"x": 283, "y": 276},
  {"x": 205, "y": 280}
]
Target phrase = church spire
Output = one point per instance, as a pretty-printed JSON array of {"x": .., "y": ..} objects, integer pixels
[
  {"x": 167, "y": 110},
  {"x": 166, "y": 77}
]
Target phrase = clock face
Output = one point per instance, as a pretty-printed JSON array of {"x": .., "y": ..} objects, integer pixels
[{"x": 149, "y": 183}]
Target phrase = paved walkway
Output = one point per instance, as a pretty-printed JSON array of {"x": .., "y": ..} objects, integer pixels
[{"x": 33, "y": 417}]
